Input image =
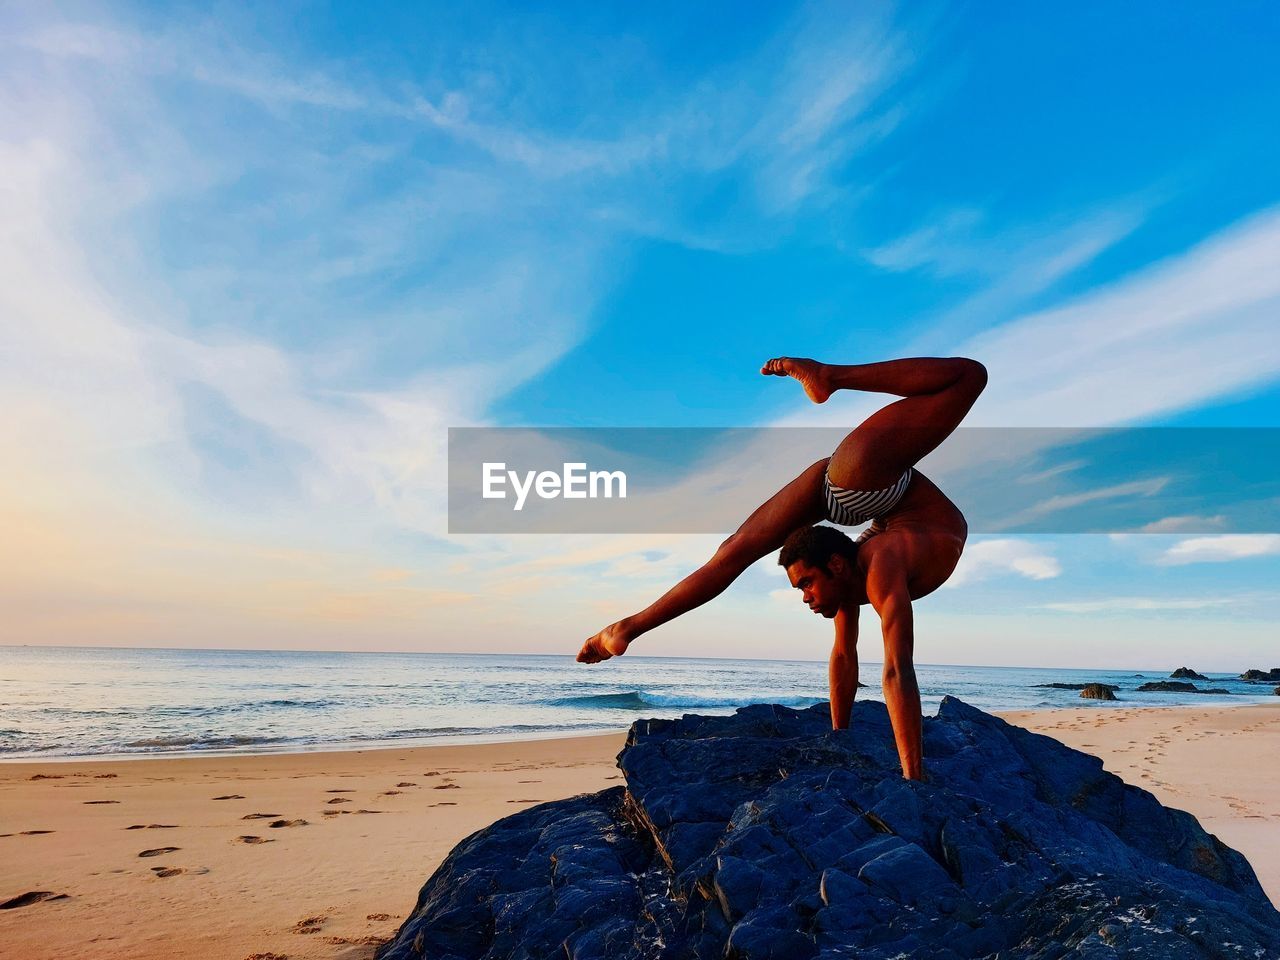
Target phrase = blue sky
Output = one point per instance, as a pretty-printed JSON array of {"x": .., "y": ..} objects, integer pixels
[{"x": 258, "y": 259}]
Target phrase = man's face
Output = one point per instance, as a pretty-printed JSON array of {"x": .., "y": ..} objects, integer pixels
[{"x": 819, "y": 589}]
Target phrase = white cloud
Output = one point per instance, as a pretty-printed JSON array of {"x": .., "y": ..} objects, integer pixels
[
  {"x": 1113, "y": 604},
  {"x": 1183, "y": 524},
  {"x": 992, "y": 558},
  {"x": 1221, "y": 548}
]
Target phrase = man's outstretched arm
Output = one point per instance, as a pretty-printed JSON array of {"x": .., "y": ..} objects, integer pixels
[
  {"x": 843, "y": 669},
  {"x": 888, "y": 594}
]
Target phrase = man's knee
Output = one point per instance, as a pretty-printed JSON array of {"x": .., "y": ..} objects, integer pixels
[
  {"x": 973, "y": 375},
  {"x": 898, "y": 668},
  {"x": 736, "y": 551}
]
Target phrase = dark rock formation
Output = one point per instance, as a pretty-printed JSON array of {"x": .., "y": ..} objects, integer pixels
[
  {"x": 1075, "y": 686},
  {"x": 767, "y": 835},
  {"x": 1267, "y": 676},
  {"x": 1098, "y": 691},
  {"x": 1277, "y": 691},
  {"x": 1186, "y": 673},
  {"x": 1176, "y": 686}
]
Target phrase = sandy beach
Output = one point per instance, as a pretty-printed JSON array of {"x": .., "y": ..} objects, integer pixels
[{"x": 320, "y": 855}]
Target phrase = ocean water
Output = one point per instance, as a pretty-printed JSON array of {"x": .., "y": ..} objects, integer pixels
[{"x": 63, "y": 702}]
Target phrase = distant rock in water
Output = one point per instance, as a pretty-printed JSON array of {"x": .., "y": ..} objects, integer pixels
[
  {"x": 1075, "y": 686},
  {"x": 1168, "y": 686},
  {"x": 1098, "y": 691},
  {"x": 1186, "y": 673},
  {"x": 1277, "y": 691},
  {"x": 1268, "y": 676},
  {"x": 1176, "y": 686},
  {"x": 765, "y": 834}
]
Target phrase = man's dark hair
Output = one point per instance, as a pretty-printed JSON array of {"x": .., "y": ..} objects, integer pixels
[{"x": 815, "y": 546}]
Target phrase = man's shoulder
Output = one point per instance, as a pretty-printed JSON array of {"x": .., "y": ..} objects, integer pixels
[
  {"x": 884, "y": 552},
  {"x": 886, "y": 568}
]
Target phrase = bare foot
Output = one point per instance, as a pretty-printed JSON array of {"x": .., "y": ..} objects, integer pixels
[
  {"x": 612, "y": 641},
  {"x": 810, "y": 373}
]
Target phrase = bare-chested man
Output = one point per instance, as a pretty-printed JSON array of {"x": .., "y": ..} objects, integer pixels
[{"x": 910, "y": 549}]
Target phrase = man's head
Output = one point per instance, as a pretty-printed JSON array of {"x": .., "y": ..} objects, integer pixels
[{"x": 820, "y": 562}]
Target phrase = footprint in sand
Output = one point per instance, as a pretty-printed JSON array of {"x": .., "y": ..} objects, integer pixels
[
  {"x": 44, "y": 776},
  {"x": 251, "y": 839},
  {"x": 390, "y": 793},
  {"x": 31, "y": 833},
  {"x": 105, "y": 776},
  {"x": 522, "y": 801},
  {"x": 378, "y": 916},
  {"x": 338, "y": 800},
  {"x": 274, "y": 824},
  {"x": 368, "y": 811},
  {"x": 446, "y": 786},
  {"x": 405, "y": 783},
  {"x": 158, "y": 851},
  {"x": 368, "y": 940},
  {"x": 99, "y": 801},
  {"x": 163, "y": 872},
  {"x": 309, "y": 925},
  {"x": 443, "y": 803},
  {"x": 528, "y": 781},
  {"x": 267, "y": 956},
  {"x": 334, "y": 813},
  {"x": 153, "y": 826},
  {"x": 30, "y": 897},
  {"x": 230, "y": 796},
  {"x": 259, "y": 816},
  {"x": 339, "y": 791}
]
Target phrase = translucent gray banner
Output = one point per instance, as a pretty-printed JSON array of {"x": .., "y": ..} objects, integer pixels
[{"x": 1005, "y": 480}]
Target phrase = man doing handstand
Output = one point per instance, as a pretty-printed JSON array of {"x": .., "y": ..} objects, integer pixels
[{"x": 912, "y": 546}]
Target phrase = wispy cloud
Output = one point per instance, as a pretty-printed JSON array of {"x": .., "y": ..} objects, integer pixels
[
  {"x": 1067, "y": 501},
  {"x": 1221, "y": 548},
  {"x": 1194, "y": 327},
  {"x": 1183, "y": 524}
]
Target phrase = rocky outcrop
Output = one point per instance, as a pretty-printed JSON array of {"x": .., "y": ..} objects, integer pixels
[
  {"x": 1177, "y": 686},
  {"x": 1186, "y": 673},
  {"x": 1098, "y": 691},
  {"x": 765, "y": 834},
  {"x": 1075, "y": 686},
  {"x": 1266, "y": 676}
]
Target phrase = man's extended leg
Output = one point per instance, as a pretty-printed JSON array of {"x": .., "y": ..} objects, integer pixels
[{"x": 797, "y": 504}]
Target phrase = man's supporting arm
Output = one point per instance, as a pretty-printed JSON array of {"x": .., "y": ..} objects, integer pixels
[
  {"x": 843, "y": 669},
  {"x": 901, "y": 694}
]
